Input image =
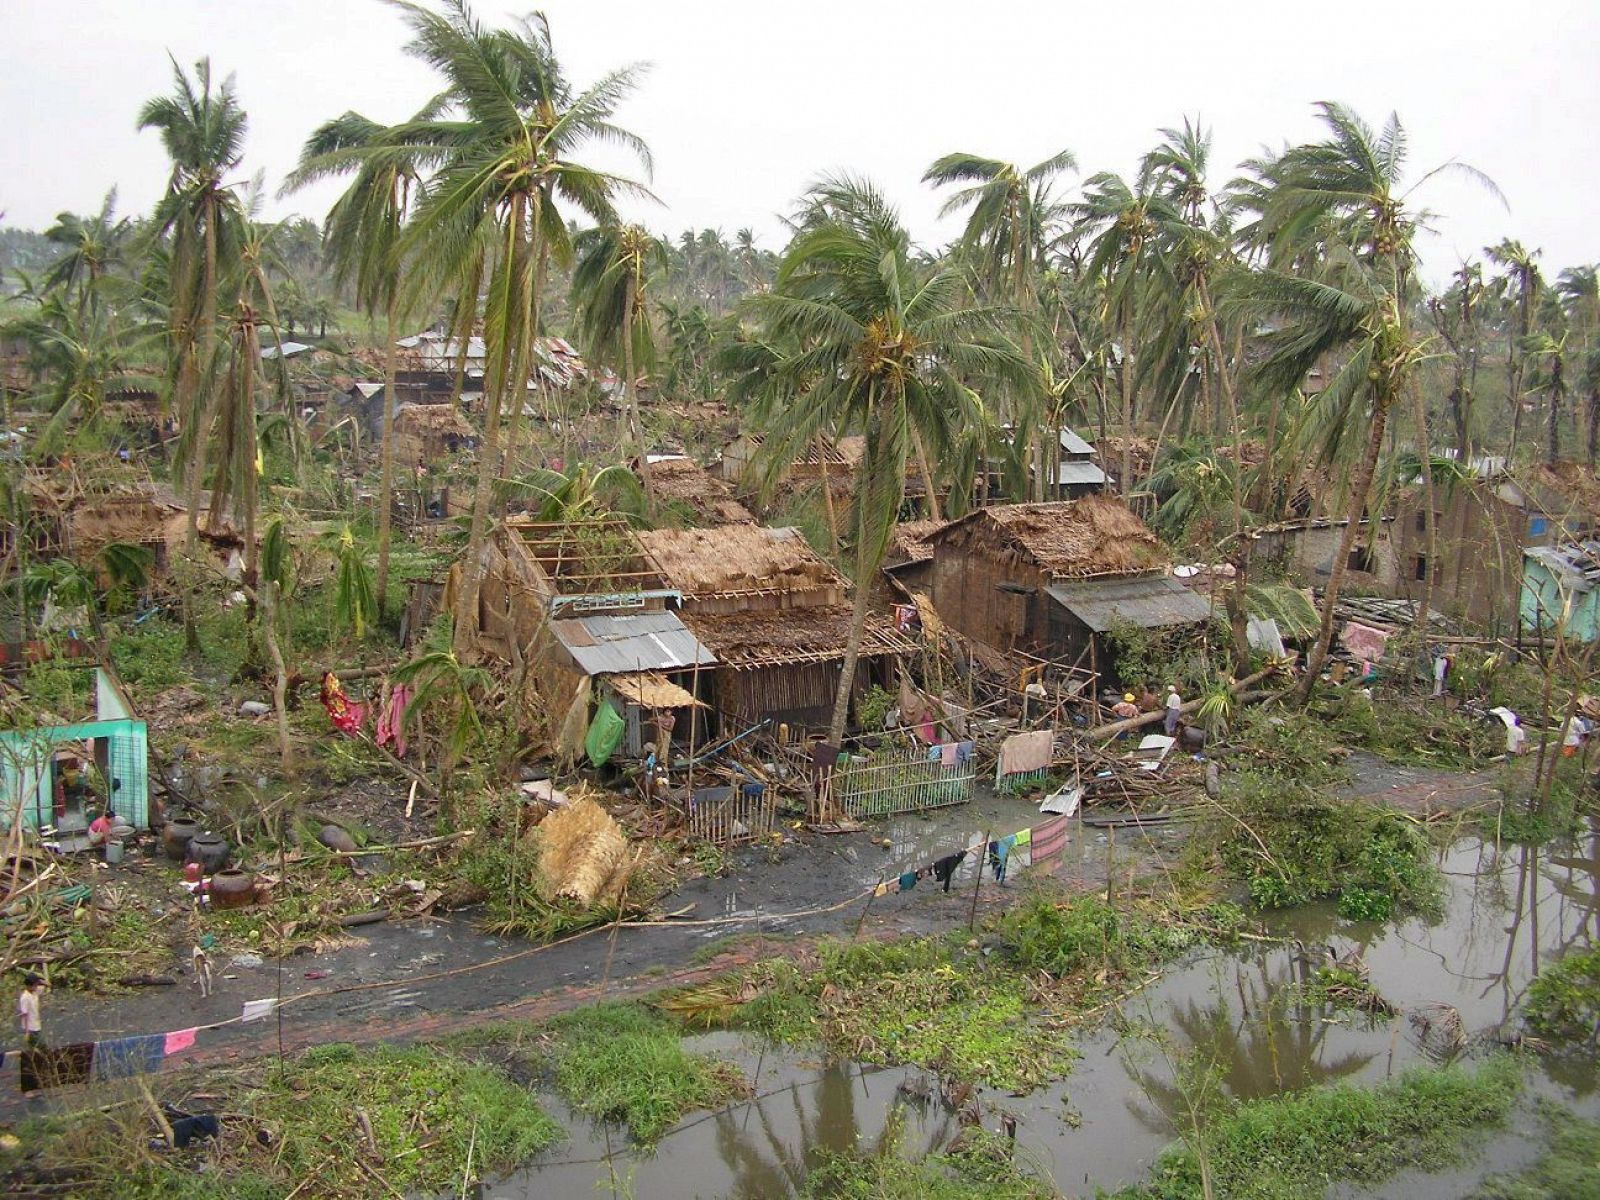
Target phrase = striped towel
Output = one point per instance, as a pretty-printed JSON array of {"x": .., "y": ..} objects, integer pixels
[{"x": 1049, "y": 840}]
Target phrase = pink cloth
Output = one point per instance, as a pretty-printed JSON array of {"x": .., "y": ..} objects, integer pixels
[
  {"x": 181, "y": 1039},
  {"x": 392, "y": 719},
  {"x": 1023, "y": 753},
  {"x": 947, "y": 754},
  {"x": 1365, "y": 642}
]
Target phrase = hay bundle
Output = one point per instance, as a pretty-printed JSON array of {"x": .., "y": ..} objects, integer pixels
[{"x": 583, "y": 853}]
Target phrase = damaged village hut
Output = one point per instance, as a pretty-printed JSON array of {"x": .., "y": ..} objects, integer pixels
[
  {"x": 679, "y": 482},
  {"x": 776, "y": 618},
  {"x": 1051, "y": 580},
  {"x": 583, "y": 609}
]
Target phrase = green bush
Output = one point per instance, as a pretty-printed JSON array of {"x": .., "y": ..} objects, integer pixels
[{"x": 1564, "y": 999}]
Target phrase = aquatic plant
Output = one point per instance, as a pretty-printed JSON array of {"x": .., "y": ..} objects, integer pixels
[{"x": 1564, "y": 999}]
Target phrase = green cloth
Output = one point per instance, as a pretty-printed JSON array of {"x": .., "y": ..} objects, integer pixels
[{"x": 605, "y": 734}]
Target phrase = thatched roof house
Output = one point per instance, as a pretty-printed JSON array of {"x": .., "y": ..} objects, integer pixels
[
  {"x": 1048, "y": 578},
  {"x": 775, "y": 615},
  {"x": 75, "y": 512},
  {"x": 682, "y": 481},
  {"x": 426, "y": 433}
]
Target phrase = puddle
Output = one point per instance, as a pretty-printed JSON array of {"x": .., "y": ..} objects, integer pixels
[{"x": 1507, "y": 913}]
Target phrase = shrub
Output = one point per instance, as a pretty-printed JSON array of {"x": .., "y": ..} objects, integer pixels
[{"x": 1564, "y": 999}]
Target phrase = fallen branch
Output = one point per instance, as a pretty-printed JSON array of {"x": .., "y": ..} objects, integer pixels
[
  {"x": 1101, "y": 733},
  {"x": 419, "y": 844}
]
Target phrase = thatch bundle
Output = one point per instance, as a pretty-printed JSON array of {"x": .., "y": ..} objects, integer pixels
[
  {"x": 740, "y": 558},
  {"x": 583, "y": 853},
  {"x": 777, "y": 636}
]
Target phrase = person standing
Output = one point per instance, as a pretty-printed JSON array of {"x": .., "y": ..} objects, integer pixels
[
  {"x": 29, "y": 1015},
  {"x": 1174, "y": 710}
]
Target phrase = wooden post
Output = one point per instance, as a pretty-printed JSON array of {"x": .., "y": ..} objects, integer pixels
[{"x": 983, "y": 856}]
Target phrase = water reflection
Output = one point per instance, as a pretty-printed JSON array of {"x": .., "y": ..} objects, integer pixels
[{"x": 1508, "y": 911}]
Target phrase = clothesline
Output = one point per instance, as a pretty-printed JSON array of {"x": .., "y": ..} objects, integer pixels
[{"x": 254, "y": 1010}]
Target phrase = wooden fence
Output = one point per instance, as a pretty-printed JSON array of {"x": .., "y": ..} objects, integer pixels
[
  {"x": 900, "y": 780},
  {"x": 728, "y": 815}
]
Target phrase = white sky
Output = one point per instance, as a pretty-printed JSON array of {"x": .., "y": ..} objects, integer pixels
[{"x": 749, "y": 100}]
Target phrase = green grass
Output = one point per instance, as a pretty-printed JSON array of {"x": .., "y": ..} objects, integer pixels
[
  {"x": 1564, "y": 999},
  {"x": 981, "y": 1169},
  {"x": 621, "y": 1062},
  {"x": 426, "y": 1109},
  {"x": 1293, "y": 1147},
  {"x": 1569, "y": 1168}
]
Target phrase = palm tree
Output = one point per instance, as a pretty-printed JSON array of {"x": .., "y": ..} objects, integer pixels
[
  {"x": 1008, "y": 228},
  {"x": 1345, "y": 191},
  {"x": 614, "y": 265},
  {"x": 1455, "y": 317},
  {"x": 1519, "y": 285},
  {"x": 1123, "y": 251},
  {"x": 873, "y": 341},
  {"x": 502, "y": 157},
  {"x": 200, "y": 216},
  {"x": 362, "y": 237},
  {"x": 93, "y": 246}
]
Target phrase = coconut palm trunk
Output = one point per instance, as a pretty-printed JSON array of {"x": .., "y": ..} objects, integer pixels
[
  {"x": 466, "y": 614},
  {"x": 386, "y": 459},
  {"x": 1360, "y": 488}
]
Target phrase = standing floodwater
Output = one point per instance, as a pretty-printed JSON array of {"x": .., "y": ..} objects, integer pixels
[{"x": 1456, "y": 984}]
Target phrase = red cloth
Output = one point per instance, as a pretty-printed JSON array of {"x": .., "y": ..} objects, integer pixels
[{"x": 347, "y": 716}]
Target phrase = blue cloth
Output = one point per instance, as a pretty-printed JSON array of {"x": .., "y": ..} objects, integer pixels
[
  {"x": 908, "y": 881},
  {"x": 933, "y": 753},
  {"x": 998, "y": 853},
  {"x": 121, "y": 1058},
  {"x": 963, "y": 752}
]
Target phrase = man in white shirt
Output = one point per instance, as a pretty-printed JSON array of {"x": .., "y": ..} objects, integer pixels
[
  {"x": 1174, "y": 710},
  {"x": 28, "y": 1014}
]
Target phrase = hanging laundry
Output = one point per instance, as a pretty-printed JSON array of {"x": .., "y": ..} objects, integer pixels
[
  {"x": 1021, "y": 856},
  {"x": 964, "y": 752},
  {"x": 121, "y": 1058},
  {"x": 1024, "y": 753},
  {"x": 948, "y": 754},
  {"x": 347, "y": 716},
  {"x": 935, "y": 753},
  {"x": 60, "y": 1066},
  {"x": 254, "y": 1010},
  {"x": 178, "y": 1041},
  {"x": 945, "y": 868},
  {"x": 908, "y": 881},
  {"x": 999, "y": 852},
  {"x": 882, "y": 889},
  {"x": 1049, "y": 841}
]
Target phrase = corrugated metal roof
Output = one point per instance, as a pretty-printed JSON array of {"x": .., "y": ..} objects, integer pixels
[
  {"x": 1148, "y": 601},
  {"x": 1576, "y": 564},
  {"x": 1073, "y": 444},
  {"x": 1080, "y": 472},
  {"x": 649, "y": 641},
  {"x": 287, "y": 349}
]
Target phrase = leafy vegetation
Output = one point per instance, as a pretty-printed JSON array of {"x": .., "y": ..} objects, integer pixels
[
  {"x": 427, "y": 1112},
  {"x": 1291, "y": 845},
  {"x": 1563, "y": 1002},
  {"x": 981, "y": 1168},
  {"x": 621, "y": 1062},
  {"x": 1293, "y": 1147}
]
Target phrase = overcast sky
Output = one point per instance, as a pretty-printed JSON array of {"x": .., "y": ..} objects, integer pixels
[{"x": 748, "y": 101}]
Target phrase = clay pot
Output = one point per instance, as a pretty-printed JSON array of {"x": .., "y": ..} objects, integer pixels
[
  {"x": 232, "y": 888},
  {"x": 210, "y": 850},
  {"x": 175, "y": 837}
]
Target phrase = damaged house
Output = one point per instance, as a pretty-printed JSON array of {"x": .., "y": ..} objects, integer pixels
[
  {"x": 682, "y": 483},
  {"x": 775, "y": 617},
  {"x": 581, "y": 605},
  {"x": 1051, "y": 579}
]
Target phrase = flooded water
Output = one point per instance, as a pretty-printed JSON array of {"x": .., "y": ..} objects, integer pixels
[{"x": 1457, "y": 984}]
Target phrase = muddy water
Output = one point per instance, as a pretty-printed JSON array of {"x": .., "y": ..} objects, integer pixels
[{"x": 1457, "y": 983}]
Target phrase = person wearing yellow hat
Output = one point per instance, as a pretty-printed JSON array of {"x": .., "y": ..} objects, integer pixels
[{"x": 1125, "y": 708}]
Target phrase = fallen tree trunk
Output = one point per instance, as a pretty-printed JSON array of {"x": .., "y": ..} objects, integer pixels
[{"x": 1101, "y": 733}]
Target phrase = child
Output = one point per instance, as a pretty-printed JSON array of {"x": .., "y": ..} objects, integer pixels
[{"x": 202, "y": 970}]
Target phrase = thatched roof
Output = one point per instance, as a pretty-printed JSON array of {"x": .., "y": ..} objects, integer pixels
[
  {"x": 788, "y": 636},
  {"x": 686, "y": 482},
  {"x": 1096, "y": 535},
  {"x": 909, "y": 542},
  {"x": 432, "y": 418},
  {"x": 738, "y": 559}
]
